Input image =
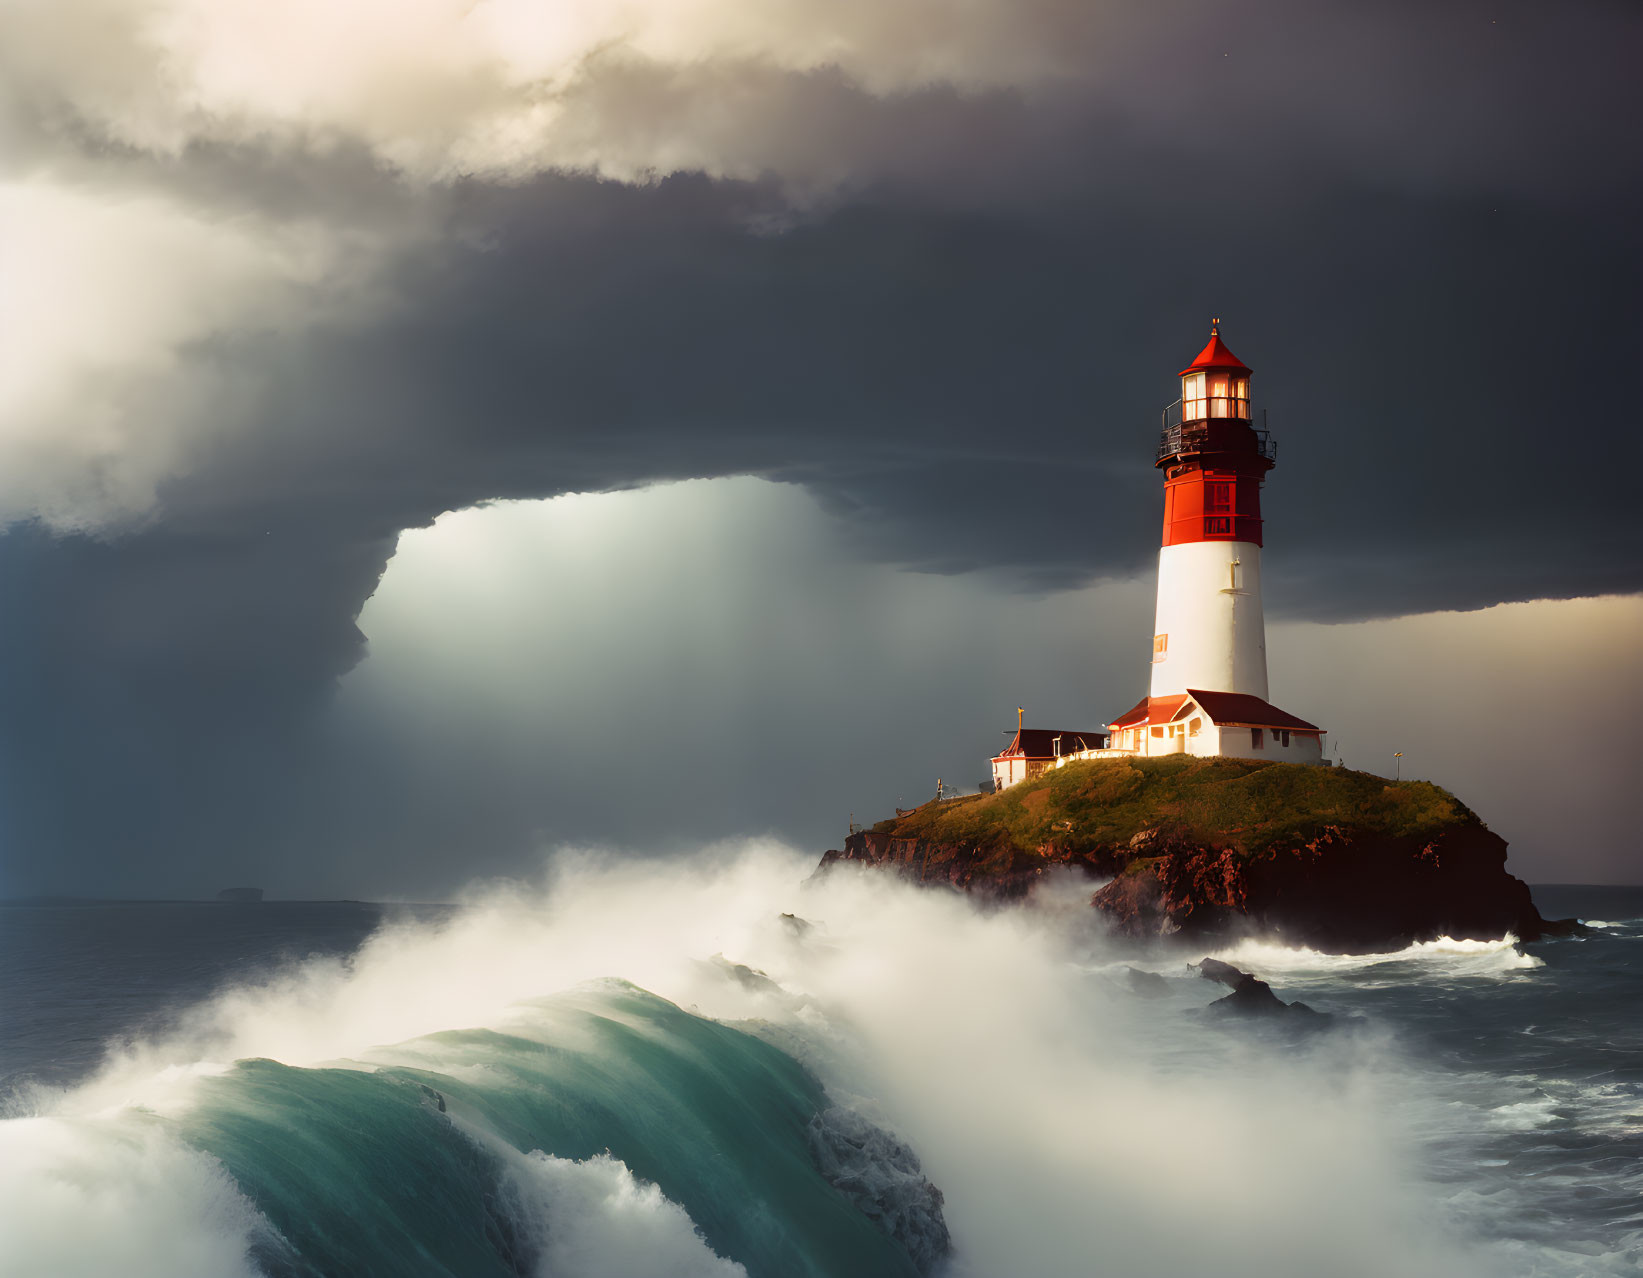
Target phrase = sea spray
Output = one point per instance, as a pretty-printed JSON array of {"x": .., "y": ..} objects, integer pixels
[
  {"x": 118, "y": 1194},
  {"x": 595, "y": 1219},
  {"x": 1069, "y": 1125}
]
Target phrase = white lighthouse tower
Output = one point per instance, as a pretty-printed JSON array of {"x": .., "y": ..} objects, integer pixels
[{"x": 1208, "y": 691}]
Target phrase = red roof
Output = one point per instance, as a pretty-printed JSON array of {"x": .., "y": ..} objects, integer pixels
[
  {"x": 1149, "y": 710},
  {"x": 1135, "y": 714},
  {"x": 1247, "y": 711},
  {"x": 1039, "y": 743},
  {"x": 1216, "y": 355}
]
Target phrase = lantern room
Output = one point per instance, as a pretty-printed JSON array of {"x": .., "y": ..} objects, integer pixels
[
  {"x": 1216, "y": 384},
  {"x": 1213, "y": 452}
]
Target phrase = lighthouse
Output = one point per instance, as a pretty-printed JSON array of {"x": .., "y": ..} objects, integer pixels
[
  {"x": 1208, "y": 691},
  {"x": 1209, "y": 630}
]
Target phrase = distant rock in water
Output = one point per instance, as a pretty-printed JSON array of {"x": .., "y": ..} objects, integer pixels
[
  {"x": 1251, "y": 997},
  {"x": 240, "y": 894},
  {"x": 1146, "y": 984},
  {"x": 1205, "y": 849}
]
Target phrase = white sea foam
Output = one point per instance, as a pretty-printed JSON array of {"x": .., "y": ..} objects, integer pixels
[
  {"x": 1459, "y": 957},
  {"x": 1066, "y": 1120},
  {"x": 595, "y": 1219},
  {"x": 88, "y": 1199},
  {"x": 1524, "y": 1115}
]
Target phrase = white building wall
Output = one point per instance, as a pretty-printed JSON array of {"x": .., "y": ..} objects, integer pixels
[
  {"x": 1236, "y": 743},
  {"x": 1229, "y": 742},
  {"x": 1207, "y": 740},
  {"x": 1210, "y": 620},
  {"x": 1015, "y": 769}
]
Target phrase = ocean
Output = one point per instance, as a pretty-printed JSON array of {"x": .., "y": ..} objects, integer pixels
[{"x": 725, "y": 1066}]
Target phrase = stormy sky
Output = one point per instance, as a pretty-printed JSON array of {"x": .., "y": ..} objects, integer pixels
[{"x": 835, "y": 336}]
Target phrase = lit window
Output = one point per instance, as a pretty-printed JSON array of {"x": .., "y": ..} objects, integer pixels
[
  {"x": 1192, "y": 397},
  {"x": 1160, "y": 647},
  {"x": 1158, "y": 732}
]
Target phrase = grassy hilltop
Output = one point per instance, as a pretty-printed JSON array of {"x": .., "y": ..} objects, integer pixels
[
  {"x": 1197, "y": 848},
  {"x": 1237, "y": 805}
]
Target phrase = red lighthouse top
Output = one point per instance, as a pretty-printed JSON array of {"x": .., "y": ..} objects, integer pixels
[
  {"x": 1213, "y": 453},
  {"x": 1216, "y": 355}
]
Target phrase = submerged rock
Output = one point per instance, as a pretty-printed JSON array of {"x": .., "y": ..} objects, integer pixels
[
  {"x": 749, "y": 978},
  {"x": 1146, "y": 984},
  {"x": 1250, "y": 996}
]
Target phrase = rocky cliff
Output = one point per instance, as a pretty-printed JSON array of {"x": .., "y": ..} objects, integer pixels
[{"x": 1201, "y": 849}]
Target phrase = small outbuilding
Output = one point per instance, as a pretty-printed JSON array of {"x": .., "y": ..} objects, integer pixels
[{"x": 1035, "y": 750}]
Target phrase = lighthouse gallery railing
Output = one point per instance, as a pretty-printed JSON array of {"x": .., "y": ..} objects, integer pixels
[{"x": 1179, "y": 436}]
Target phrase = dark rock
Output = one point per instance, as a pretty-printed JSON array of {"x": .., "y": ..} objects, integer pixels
[
  {"x": 1147, "y": 984},
  {"x": 1215, "y": 970},
  {"x": 437, "y": 1098},
  {"x": 749, "y": 978},
  {"x": 1217, "y": 849},
  {"x": 996, "y": 871},
  {"x": 1338, "y": 892},
  {"x": 1250, "y": 997}
]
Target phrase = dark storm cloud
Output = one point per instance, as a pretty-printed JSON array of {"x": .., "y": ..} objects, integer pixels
[
  {"x": 952, "y": 313},
  {"x": 927, "y": 375}
]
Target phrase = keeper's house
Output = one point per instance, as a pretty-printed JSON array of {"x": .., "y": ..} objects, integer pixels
[{"x": 1235, "y": 725}]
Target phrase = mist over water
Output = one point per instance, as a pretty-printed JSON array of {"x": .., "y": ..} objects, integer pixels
[{"x": 525, "y": 1066}]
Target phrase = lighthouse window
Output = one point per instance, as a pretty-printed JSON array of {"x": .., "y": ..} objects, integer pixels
[
  {"x": 1218, "y": 389},
  {"x": 1218, "y": 496},
  {"x": 1218, "y": 526},
  {"x": 1192, "y": 397}
]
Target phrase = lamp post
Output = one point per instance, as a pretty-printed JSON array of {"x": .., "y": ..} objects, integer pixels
[{"x": 1397, "y": 775}]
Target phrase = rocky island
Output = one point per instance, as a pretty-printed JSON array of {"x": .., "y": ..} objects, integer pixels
[{"x": 1202, "y": 849}]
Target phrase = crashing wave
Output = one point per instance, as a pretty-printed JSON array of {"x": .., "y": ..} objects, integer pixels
[
  {"x": 1060, "y": 1116},
  {"x": 1465, "y": 956}
]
